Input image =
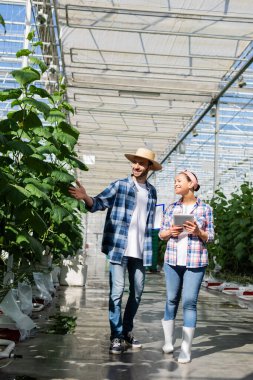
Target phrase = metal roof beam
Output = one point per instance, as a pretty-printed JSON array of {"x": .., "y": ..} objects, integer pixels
[
  {"x": 131, "y": 112},
  {"x": 161, "y": 33},
  {"x": 193, "y": 56},
  {"x": 154, "y": 13}
]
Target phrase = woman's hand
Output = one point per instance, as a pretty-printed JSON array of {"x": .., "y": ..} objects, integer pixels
[
  {"x": 172, "y": 231},
  {"x": 176, "y": 230},
  {"x": 192, "y": 228}
]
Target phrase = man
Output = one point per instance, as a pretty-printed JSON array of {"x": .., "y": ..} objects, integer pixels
[{"x": 127, "y": 240}]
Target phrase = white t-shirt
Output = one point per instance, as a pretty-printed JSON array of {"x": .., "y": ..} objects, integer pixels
[
  {"x": 183, "y": 240},
  {"x": 135, "y": 241}
]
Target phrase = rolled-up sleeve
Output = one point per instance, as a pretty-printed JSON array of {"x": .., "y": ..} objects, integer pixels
[
  {"x": 166, "y": 221},
  {"x": 105, "y": 199}
]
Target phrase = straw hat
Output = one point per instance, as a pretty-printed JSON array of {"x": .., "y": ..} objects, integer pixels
[{"x": 145, "y": 153}]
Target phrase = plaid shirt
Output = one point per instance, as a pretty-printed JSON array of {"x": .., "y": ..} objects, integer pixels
[
  {"x": 120, "y": 200},
  {"x": 197, "y": 255}
]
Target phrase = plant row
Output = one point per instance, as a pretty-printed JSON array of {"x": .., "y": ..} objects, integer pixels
[{"x": 38, "y": 162}]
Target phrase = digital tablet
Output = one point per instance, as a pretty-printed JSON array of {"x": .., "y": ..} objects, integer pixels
[{"x": 180, "y": 219}]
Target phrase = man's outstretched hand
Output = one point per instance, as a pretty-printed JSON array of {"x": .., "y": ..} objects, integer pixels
[{"x": 78, "y": 192}]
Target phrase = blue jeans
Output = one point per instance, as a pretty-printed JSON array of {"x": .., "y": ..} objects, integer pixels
[
  {"x": 136, "y": 275},
  {"x": 186, "y": 282}
]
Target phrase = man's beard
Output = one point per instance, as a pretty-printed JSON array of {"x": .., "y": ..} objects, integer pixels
[{"x": 143, "y": 174}]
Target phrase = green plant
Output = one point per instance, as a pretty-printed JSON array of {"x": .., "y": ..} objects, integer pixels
[
  {"x": 63, "y": 324},
  {"x": 161, "y": 251},
  {"x": 233, "y": 219},
  {"x": 2, "y": 22},
  {"x": 38, "y": 162}
]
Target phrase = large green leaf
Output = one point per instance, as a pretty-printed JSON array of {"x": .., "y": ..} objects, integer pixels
[
  {"x": 67, "y": 128},
  {"x": 31, "y": 217},
  {"x": 38, "y": 43},
  {"x": 30, "y": 35},
  {"x": 55, "y": 116},
  {"x": 39, "y": 106},
  {"x": 18, "y": 116},
  {"x": 77, "y": 163},
  {"x": 43, "y": 132},
  {"x": 39, "y": 91},
  {"x": 2, "y": 22},
  {"x": 59, "y": 242},
  {"x": 48, "y": 149},
  {"x": 35, "y": 164},
  {"x": 23, "y": 53},
  {"x": 16, "y": 194},
  {"x": 39, "y": 157},
  {"x": 65, "y": 152},
  {"x": 15, "y": 103},
  {"x": 81, "y": 207},
  {"x": 20, "y": 146},
  {"x": 36, "y": 192},
  {"x": 34, "y": 244},
  {"x": 8, "y": 125},
  {"x": 65, "y": 138},
  {"x": 74, "y": 202},
  {"x": 62, "y": 176},
  {"x": 58, "y": 213},
  {"x": 25, "y": 76},
  {"x": 36, "y": 61},
  {"x": 13, "y": 93},
  {"x": 67, "y": 107},
  {"x": 32, "y": 121},
  {"x": 43, "y": 186},
  {"x": 38, "y": 224},
  {"x": 71, "y": 229},
  {"x": 22, "y": 238}
]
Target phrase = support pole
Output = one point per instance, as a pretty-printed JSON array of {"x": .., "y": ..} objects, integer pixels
[
  {"x": 216, "y": 179},
  {"x": 28, "y": 17}
]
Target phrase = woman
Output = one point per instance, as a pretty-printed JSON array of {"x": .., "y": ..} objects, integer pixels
[{"x": 185, "y": 260}]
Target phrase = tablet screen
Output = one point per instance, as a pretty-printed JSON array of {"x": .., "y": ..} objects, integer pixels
[{"x": 180, "y": 219}]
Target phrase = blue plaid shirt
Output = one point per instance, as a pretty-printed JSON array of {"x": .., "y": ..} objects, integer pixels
[{"x": 120, "y": 199}]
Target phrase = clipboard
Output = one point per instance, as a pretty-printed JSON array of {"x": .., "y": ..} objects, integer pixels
[{"x": 180, "y": 219}]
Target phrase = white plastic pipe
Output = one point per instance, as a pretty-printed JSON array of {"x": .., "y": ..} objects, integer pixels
[{"x": 8, "y": 350}]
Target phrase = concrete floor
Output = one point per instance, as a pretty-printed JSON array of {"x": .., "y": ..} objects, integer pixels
[{"x": 222, "y": 348}]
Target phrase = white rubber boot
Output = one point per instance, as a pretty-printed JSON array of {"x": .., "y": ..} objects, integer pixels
[
  {"x": 168, "y": 329},
  {"x": 185, "y": 353}
]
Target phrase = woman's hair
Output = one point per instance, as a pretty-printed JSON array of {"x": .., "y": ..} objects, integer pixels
[{"x": 188, "y": 175}]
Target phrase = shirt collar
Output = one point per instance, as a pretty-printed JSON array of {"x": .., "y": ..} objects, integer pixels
[
  {"x": 179, "y": 202},
  {"x": 132, "y": 182}
]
